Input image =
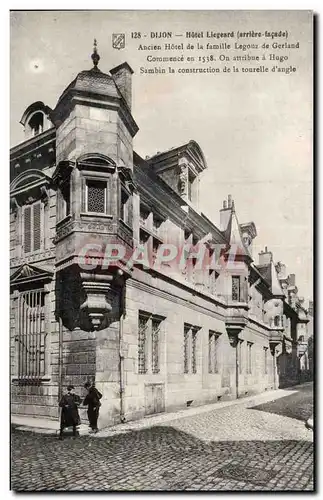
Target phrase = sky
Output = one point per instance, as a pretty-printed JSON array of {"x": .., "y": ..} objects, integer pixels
[{"x": 255, "y": 129}]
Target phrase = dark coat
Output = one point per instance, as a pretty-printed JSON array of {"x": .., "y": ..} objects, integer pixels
[
  {"x": 70, "y": 415},
  {"x": 92, "y": 399}
]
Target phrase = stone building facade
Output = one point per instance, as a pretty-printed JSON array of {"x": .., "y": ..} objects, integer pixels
[{"x": 97, "y": 290}]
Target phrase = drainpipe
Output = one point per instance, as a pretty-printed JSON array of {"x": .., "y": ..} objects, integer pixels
[
  {"x": 60, "y": 358},
  {"x": 237, "y": 369},
  {"x": 274, "y": 368},
  {"x": 121, "y": 354}
]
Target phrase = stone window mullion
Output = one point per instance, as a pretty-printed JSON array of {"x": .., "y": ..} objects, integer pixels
[
  {"x": 155, "y": 345},
  {"x": 186, "y": 349},
  {"x": 148, "y": 347},
  {"x": 194, "y": 350}
]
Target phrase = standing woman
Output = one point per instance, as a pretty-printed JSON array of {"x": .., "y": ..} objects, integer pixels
[{"x": 69, "y": 415}]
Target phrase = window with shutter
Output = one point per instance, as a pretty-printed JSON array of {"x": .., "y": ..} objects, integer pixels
[
  {"x": 36, "y": 226},
  {"x": 27, "y": 229},
  {"x": 32, "y": 228}
]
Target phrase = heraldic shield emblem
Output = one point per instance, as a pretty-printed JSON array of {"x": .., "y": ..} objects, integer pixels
[{"x": 118, "y": 40}]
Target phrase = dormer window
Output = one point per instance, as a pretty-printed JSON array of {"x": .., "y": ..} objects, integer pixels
[
  {"x": 36, "y": 124},
  {"x": 36, "y": 119}
]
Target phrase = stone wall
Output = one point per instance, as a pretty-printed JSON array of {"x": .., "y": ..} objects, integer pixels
[{"x": 178, "y": 305}]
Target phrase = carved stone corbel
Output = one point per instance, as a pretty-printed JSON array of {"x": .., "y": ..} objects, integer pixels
[
  {"x": 235, "y": 322},
  {"x": 276, "y": 343},
  {"x": 98, "y": 303},
  {"x": 233, "y": 335}
]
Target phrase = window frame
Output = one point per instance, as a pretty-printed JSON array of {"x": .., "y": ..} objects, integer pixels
[
  {"x": 249, "y": 358},
  {"x": 41, "y": 227},
  {"x": 238, "y": 278},
  {"x": 265, "y": 351},
  {"x": 213, "y": 364},
  {"x": 41, "y": 125},
  {"x": 190, "y": 351},
  {"x": 27, "y": 335},
  {"x": 240, "y": 356},
  {"x": 150, "y": 352},
  {"x": 89, "y": 180},
  {"x": 124, "y": 207}
]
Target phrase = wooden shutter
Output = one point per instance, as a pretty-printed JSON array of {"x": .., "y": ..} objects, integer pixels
[
  {"x": 27, "y": 229},
  {"x": 36, "y": 226}
]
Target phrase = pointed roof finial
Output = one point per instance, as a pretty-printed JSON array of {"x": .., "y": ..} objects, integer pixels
[{"x": 95, "y": 56}]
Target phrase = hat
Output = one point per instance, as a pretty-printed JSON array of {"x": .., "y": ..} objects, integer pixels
[{"x": 70, "y": 387}]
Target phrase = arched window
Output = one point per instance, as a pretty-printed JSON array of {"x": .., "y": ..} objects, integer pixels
[{"x": 36, "y": 123}]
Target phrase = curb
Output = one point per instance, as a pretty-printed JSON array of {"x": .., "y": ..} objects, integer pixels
[
  {"x": 82, "y": 430},
  {"x": 152, "y": 420}
]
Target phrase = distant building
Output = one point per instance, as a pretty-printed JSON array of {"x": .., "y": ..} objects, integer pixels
[{"x": 152, "y": 338}]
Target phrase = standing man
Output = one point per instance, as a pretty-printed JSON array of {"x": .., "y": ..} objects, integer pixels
[
  {"x": 69, "y": 415},
  {"x": 92, "y": 401}
]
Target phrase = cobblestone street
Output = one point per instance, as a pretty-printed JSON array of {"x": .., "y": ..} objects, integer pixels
[{"x": 238, "y": 447}]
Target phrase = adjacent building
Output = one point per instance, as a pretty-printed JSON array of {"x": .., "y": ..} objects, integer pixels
[{"x": 108, "y": 283}]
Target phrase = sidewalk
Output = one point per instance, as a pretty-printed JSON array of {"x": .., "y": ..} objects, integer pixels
[{"x": 47, "y": 426}]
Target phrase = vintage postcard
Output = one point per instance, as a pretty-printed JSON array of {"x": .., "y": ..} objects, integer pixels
[{"x": 161, "y": 260}]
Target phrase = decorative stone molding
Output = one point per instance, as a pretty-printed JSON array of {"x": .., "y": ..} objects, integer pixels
[
  {"x": 86, "y": 227},
  {"x": 183, "y": 179},
  {"x": 48, "y": 254}
]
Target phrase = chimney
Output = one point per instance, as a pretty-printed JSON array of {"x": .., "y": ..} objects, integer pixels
[
  {"x": 281, "y": 270},
  {"x": 291, "y": 280},
  {"x": 311, "y": 308},
  {"x": 225, "y": 213},
  {"x": 265, "y": 257},
  {"x": 122, "y": 76}
]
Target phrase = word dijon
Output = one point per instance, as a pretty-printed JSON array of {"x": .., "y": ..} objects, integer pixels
[{"x": 193, "y": 34}]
